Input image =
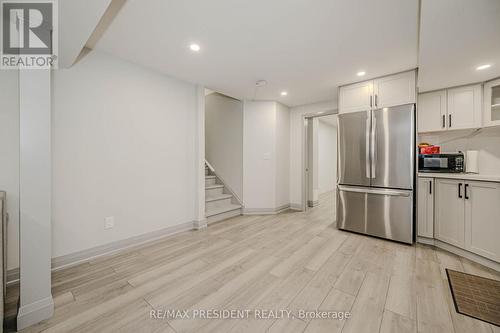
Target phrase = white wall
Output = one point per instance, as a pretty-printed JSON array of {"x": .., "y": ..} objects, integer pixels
[
  {"x": 266, "y": 160},
  {"x": 224, "y": 139},
  {"x": 297, "y": 143},
  {"x": 327, "y": 156},
  {"x": 282, "y": 156},
  {"x": 9, "y": 158},
  {"x": 259, "y": 155},
  {"x": 124, "y": 146},
  {"x": 487, "y": 142}
]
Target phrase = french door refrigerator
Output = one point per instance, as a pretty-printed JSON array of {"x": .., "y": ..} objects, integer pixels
[{"x": 376, "y": 172}]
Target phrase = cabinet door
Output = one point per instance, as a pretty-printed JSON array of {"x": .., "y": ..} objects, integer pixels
[
  {"x": 492, "y": 103},
  {"x": 394, "y": 90},
  {"x": 449, "y": 212},
  {"x": 482, "y": 219},
  {"x": 425, "y": 207},
  {"x": 464, "y": 107},
  {"x": 356, "y": 97},
  {"x": 431, "y": 112}
]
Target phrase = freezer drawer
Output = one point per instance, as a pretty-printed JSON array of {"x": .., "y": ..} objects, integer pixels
[{"x": 385, "y": 213}]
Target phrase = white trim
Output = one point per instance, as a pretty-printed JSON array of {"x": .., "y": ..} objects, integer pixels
[
  {"x": 461, "y": 252},
  {"x": 265, "y": 211},
  {"x": 202, "y": 224},
  {"x": 76, "y": 258},
  {"x": 111, "y": 248},
  {"x": 425, "y": 240},
  {"x": 295, "y": 206},
  {"x": 33, "y": 313},
  {"x": 200, "y": 157}
]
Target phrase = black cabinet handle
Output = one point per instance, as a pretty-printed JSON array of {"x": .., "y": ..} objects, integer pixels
[
  {"x": 460, "y": 190},
  {"x": 449, "y": 121},
  {"x": 430, "y": 186},
  {"x": 466, "y": 195},
  {"x": 444, "y": 121}
]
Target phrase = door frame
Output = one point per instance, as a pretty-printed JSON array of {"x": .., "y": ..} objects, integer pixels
[{"x": 305, "y": 151}]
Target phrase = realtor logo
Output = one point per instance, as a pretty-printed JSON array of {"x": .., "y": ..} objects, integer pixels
[{"x": 29, "y": 35}]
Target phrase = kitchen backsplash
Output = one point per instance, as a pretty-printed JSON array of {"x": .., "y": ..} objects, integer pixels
[{"x": 486, "y": 141}]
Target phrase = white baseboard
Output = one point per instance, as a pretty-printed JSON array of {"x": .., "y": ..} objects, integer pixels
[
  {"x": 461, "y": 252},
  {"x": 294, "y": 206},
  {"x": 33, "y": 313},
  {"x": 265, "y": 211},
  {"x": 202, "y": 224},
  {"x": 110, "y": 248}
]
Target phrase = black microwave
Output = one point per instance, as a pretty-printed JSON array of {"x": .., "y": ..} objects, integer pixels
[{"x": 453, "y": 162}]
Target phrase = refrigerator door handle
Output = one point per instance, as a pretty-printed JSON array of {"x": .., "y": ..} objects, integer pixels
[
  {"x": 373, "y": 147},
  {"x": 391, "y": 192},
  {"x": 367, "y": 146}
]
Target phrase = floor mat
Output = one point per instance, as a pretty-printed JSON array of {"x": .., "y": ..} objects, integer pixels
[{"x": 475, "y": 296}]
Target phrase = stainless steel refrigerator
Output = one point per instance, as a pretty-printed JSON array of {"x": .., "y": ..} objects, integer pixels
[{"x": 376, "y": 159}]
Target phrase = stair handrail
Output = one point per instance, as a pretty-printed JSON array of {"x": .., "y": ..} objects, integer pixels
[{"x": 210, "y": 167}]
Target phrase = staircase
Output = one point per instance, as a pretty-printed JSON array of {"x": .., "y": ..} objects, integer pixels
[{"x": 220, "y": 204}]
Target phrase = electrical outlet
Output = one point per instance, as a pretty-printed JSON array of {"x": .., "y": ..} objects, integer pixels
[{"x": 109, "y": 222}]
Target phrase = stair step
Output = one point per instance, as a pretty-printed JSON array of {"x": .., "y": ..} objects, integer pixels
[
  {"x": 209, "y": 177},
  {"x": 218, "y": 197},
  {"x": 211, "y": 187},
  {"x": 222, "y": 210}
]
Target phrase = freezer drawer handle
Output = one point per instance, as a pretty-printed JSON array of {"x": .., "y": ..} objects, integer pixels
[
  {"x": 374, "y": 191},
  {"x": 466, "y": 194},
  {"x": 430, "y": 186},
  {"x": 460, "y": 190}
]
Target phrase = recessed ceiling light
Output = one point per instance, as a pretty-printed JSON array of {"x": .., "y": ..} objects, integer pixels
[
  {"x": 361, "y": 73},
  {"x": 320, "y": 112},
  {"x": 195, "y": 47},
  {"x": 480, "y": 68},
  {"x": 284, "y": 93}
]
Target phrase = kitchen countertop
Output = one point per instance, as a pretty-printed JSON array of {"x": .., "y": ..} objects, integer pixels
[{"x": 466, "y": 176}]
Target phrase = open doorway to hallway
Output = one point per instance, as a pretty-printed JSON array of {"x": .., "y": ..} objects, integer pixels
[{"x": 321, "y": 161}]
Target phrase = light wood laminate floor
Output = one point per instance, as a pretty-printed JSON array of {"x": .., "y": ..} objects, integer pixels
[{"x": 293, "y": 261}]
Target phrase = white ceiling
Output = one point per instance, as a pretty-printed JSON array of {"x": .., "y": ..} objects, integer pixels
[
  {"x": 455, "y": 37},
  {"x": 305, "y": 47}
]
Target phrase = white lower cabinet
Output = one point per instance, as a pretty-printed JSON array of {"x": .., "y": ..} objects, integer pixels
[
  {"x": 466, "y": 215},
  {"x": 449, "y": 212},
  {"x": 482, "y": 219},
  {"x": 425, "y": 208}
]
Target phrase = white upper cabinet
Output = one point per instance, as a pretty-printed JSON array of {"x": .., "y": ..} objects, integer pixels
[
  {"x": 482, "y": 222},
  {"x": 464, "y": 107},
  {"x": 394, "y": 90},
  {"x": 491, "y": 113},
  {"x": 387, "y": 91},
  {"x": 432, "y": 112},
  {"x": 356, "y": 97},
  {"x": 450, "y": 109}
]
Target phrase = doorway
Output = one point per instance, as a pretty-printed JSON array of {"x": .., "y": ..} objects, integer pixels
[{"x": 320, "y": 162}]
